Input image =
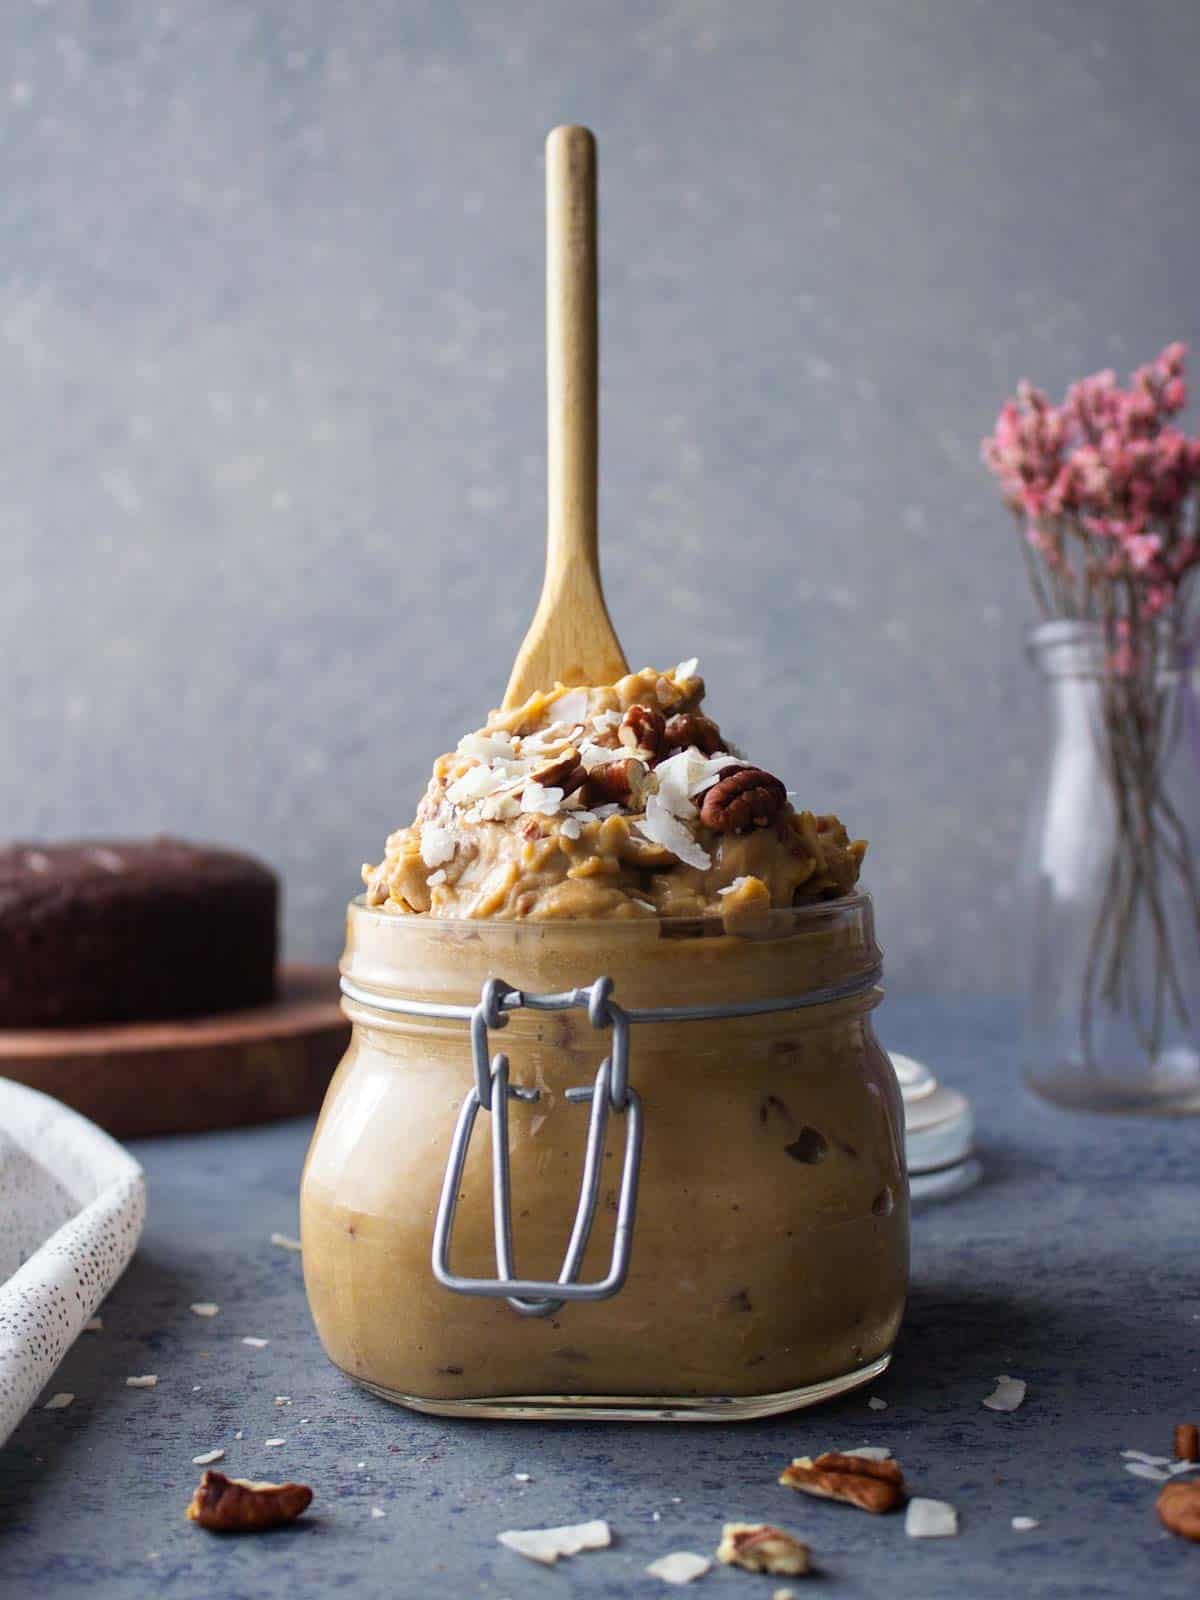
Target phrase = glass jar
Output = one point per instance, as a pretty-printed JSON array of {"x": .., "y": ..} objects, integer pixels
[
  {"x": 1110, "y": 879},
  {"x": 769, "y": 1209}
]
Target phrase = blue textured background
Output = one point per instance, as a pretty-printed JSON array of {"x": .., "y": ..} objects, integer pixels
[
  {"x": 1072, "y": 1265},
  {"x": 271, "y": 438}
]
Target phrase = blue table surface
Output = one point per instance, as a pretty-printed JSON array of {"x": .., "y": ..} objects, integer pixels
[{"x": 1075, "y": 1264}]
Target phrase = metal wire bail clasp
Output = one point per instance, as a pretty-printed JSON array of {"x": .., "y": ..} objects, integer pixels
[{"x": 492, "y": 1092}]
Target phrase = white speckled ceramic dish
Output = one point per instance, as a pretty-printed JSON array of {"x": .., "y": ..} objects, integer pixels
[{"x": 72, "y": 1204}]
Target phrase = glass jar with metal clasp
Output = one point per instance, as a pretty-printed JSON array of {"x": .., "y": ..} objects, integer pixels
[{"x": 646, "y": 1168}]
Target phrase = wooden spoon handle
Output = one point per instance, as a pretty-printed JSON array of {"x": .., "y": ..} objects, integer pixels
[{"x": 572, "y": 420}]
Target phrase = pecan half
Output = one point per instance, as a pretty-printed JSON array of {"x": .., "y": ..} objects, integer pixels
[
  {"x": 622, "y": 781},
  {"x": 744, "y": 798},
  {"x": 876, "y": 1486},
  {"x": 236, "y": 1505},
  {"x": 565, "y": 771},
  {"x": 1179, "y": 1509},
  {"x": 692, "y": 728},
  {"x": 642, "y": 728},
  {"x": 758, "y": 1547},
  {"x": 1187, "y": 1441}
]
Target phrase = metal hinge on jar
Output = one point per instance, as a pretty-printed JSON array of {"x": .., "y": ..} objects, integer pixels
[{"x": 491, "y": 1092}]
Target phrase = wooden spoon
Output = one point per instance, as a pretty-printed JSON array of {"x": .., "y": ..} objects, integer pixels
[{"x": 571, "y": 639}]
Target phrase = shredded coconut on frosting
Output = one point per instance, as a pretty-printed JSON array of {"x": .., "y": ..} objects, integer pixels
[{"x": 594, "y": 802}]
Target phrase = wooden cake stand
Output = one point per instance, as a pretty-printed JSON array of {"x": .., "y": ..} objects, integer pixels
[{"x": 145, "y": 1078}]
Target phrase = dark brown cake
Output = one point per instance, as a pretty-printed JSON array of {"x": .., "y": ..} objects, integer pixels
[{"x": 132, "y": 931}]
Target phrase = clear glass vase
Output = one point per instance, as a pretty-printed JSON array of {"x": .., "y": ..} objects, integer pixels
[{"x": 1112, "y": 884}]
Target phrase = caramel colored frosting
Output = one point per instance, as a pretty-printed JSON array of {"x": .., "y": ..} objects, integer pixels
[{"x": 621, "y": 800}]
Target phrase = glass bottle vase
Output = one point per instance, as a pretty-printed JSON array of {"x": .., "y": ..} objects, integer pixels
[{"x": 1112, "y": 883}]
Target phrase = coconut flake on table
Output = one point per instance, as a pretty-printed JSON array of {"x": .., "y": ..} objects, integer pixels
[
  {"x": 1151, "y": 1461},
  {"x": 285, "y": 1241},
  {"x": 271, "y": 1444},
  {"x": 547, "y": 1544},
  {"x": 1007, "y": 1395},
  {"x": 1142, "y": 1469},
  {"x": 869, "y": 1452},
  {"x": 437, "y": 844},
  {"x": 930, "y": 1519},
  {"x": 661, "y": 827},
  {"x": 94, "y": 1325},
  {"x": 876, "y": 1404},
  {"x": 146, "y": 1381},
  {"x": 681, "y": 1566},
  {"x": 540, "y": 801},
  {"x": 1025, "y": 1524},
  {"x": 255, "y": 1344},
  {"x": 59, "y": 1402},
  {"x": 204, "y": 1308},
  {"x": 207, "y": 1459}
]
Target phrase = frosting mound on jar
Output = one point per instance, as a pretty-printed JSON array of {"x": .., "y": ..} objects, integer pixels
[{"x": 621, "y": 800}]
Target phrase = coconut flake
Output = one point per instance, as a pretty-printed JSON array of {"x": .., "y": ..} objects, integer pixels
[
  {"x": 1142, "y": 1469},
  {"x": 256, "y": 1344},
  {"x": 271, "y": 1444},
  {"x": 681, "y": 1566},
  {"x": 147, "y": 1381},
  {"x": 603, "y": 720},
  {"x": 59, "y": 1402},
  {"x": 207, "y": 1459},
  {"x": 661, "y": 827},
  {"x": 687, "y": 669},
  {"x": 1151, "y": 1461},
  {"x": 523, "y": 1477},
  {"x": 734, "y": 888},
  {"x": 571, "y": 706},
  {"x": 540, "y": 801},
  {"x": 476, "y": 783},
  {"x": 930, "y": 1519},
  {"x": 876, "y": 1404},
  {"x": 94, "y": 1325},
  {"x": 285, "y": 1241},
  {"x": 1025, "y": 1524},
  {"x": 570, "y": 827},
  {"x": 710, "y": 769},
  {"x": 437, "y": 877},
  {"x": 547, "y": 1544},
  {"x": 1007, "y": 1395},
  {"x": 204, "y": 1308},
  {"x": 870, "y": 1452},
  {"x": 378, "y": 1511},
  {"x": 437, "y": 844},
  {"x": 486, "y": 746}
]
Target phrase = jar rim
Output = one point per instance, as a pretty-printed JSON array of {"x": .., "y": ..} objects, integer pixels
[{"x": 810, "y": 911}]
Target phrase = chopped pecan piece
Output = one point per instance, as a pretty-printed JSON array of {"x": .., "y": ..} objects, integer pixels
[
  {"x": 758, "y": 1547},
  {"x": 692, "y": 728},
  {"x": 876, "y": 1486},
  {"x": 1187, "y": 1441},
  {"x": 564, "y": 771},
  {"x": 622, "y": 781},
  {"x": 1179, "y": 1509},
  {"x": 236, "y": 1505},
  {"x": 642, "y": 728},
  {"x": 744, "y": 798}
]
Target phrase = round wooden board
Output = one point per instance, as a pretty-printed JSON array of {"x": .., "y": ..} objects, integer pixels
[{"x": 182, "y": 1077}]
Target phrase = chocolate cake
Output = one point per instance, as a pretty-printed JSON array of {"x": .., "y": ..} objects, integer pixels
[{"x": 132, "y": 931}]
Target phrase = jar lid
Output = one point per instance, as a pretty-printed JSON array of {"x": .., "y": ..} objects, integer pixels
[{"x": 939, "y": 1130}]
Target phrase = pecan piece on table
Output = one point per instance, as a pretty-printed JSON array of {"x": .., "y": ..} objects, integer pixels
[
  {"x": 744, "y": 798},
  {"x": 875, "y": 1486},
  {"x": 690, "y": 728},
  {"x": 1179, "y": 1509},
  {"x": 622, "y": 781},
  {"x": 758, "y": 1547},
  {"x": 642, "y": 728},
  {"x": 236, "y": 1505},
  {"x": 1187, "y": 1442}
]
